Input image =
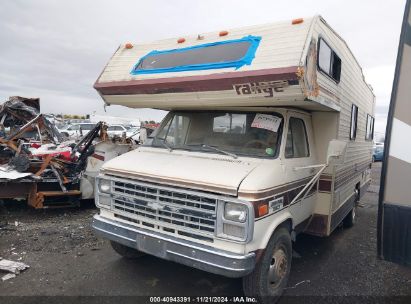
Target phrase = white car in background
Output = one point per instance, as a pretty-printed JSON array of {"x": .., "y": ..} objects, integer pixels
[
  {"x": 77, "y": 130},
  {"x": 116, "y": 130}
]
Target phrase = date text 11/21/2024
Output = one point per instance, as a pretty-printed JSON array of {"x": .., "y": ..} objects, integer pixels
[{"x": 203, "y": 300}]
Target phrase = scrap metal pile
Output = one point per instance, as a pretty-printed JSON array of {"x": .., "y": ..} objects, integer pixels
[{"x": 35, "y": 161}]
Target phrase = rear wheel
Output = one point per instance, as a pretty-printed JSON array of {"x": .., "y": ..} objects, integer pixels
[
  {"x": 350, "y": 219},
  {"x": 271, "y": 273},
  {"x": 126, "y": 252}
]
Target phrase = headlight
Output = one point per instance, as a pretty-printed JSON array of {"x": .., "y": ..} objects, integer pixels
[
  {"x": 235, "y": 212},
  {"x": 102, "y": 193},
  {"x": 235, "y": 220},
  {"x": 104, "y": 186},
  {"x": 103, "y": 201}
]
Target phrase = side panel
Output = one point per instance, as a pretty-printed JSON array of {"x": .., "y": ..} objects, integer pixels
[
  {"x": 351, "y": 89},
  {"x": 394, "y": 212},
  {"x": 338, "y": 185},
  {"x": 318, "y": 225}
]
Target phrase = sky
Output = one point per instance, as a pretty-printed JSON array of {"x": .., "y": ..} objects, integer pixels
[{"x": 56, "y": 49}]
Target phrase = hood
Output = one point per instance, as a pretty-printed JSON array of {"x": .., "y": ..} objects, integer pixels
[{"x": 203, "y": 171}]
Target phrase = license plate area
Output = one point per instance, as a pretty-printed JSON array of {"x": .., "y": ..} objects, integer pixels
[{"x": 151, "y": 245}]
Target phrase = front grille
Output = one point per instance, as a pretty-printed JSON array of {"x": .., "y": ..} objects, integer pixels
[{"x": 172, "y": 210}]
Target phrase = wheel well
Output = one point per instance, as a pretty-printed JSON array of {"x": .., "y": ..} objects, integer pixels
[{"x": 288, "y": 224}]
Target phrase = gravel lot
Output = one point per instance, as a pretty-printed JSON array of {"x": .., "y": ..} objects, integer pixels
[{"x": 66, "y": 258}]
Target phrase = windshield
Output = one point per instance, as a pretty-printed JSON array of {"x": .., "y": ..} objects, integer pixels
[{"x": 231, "y": 133}]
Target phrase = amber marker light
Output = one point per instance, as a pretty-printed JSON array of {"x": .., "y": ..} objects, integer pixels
[
  {"x": 181, "y": 40},
  {"x": 129, "y": 45},
  {"x": 297, "y": 21},
  {"x": 223, "y": 33},
  {"x": 262, "y": 209}
]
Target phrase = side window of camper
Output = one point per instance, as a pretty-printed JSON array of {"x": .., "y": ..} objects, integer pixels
[
  {"x": 369, "y": 131},
  {"x": 354, "y": 118},
  {"x": 297, "y": 141},
  {"x": 328, "y": 61}
]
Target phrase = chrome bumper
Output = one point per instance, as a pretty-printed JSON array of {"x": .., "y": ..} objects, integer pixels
[{"x": 177, "y": 250}]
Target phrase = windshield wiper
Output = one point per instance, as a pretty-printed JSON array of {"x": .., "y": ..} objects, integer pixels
[{"x": 218, "y": 150}]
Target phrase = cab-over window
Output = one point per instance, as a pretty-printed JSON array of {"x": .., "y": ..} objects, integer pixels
[{"x": 328, "y": 61}]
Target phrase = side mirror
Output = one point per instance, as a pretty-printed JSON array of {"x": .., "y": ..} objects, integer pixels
[{"x": 336, "y": 152}]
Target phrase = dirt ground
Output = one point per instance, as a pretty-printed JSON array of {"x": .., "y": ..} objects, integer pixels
[{"x": 66, "y": 258}]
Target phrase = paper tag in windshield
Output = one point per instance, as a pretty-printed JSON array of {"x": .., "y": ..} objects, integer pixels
[{"x": 266, "y": 121}]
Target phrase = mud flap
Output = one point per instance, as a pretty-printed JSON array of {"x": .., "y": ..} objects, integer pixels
[{"x": 397, "y": 234}]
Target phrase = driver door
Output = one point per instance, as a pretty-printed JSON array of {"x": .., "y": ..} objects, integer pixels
[{"x": 299, "y": 152}]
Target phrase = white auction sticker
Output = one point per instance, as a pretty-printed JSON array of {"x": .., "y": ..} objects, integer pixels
[{"x": 266, "y": 121}]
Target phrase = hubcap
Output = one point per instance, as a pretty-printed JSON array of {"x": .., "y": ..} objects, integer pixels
[{"x": 278, "y": 268}]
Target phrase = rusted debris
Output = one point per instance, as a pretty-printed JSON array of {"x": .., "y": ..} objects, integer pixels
[{"x": 34, "y": 154}]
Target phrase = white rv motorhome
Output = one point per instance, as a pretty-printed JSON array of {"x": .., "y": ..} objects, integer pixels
[{"x": 269, "y": 135}]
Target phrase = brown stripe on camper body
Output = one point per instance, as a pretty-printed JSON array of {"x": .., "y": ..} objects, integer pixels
[
  {"x": 201, "y": 83},
  {"x": 342, "y": 177}
]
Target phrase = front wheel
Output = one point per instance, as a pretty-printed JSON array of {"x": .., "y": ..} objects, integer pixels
[{"x": 271, "y": 273}]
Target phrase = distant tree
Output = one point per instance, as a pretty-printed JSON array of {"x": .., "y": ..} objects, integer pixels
[{"x": 151, "y": 122}]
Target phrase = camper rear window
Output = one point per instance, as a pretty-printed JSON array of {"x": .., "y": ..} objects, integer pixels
[
  {"x": 328, "y": 61},
  {"x": 223, "y": 54}
]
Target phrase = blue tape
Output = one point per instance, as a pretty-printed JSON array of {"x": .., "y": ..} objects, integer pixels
[{"x": 245, "y": 60}]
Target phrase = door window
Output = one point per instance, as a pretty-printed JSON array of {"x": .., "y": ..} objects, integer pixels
[{"x": 297, "y": 141}]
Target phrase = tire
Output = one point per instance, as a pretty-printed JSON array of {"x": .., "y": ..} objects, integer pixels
[
  {"x": 126, "y": 252},
  {"x": 270, "y": 277},
  {"x": 350, "y": 219}
]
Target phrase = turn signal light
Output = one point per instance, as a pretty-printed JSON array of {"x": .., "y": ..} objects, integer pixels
[
  {"x": 181, "y": 40},
  {"x": 297, "y": 21},
  {"x": 223, "y": 33},
  {"x": 129, "y": 46},
  {"x": 262, "y": 209}
]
